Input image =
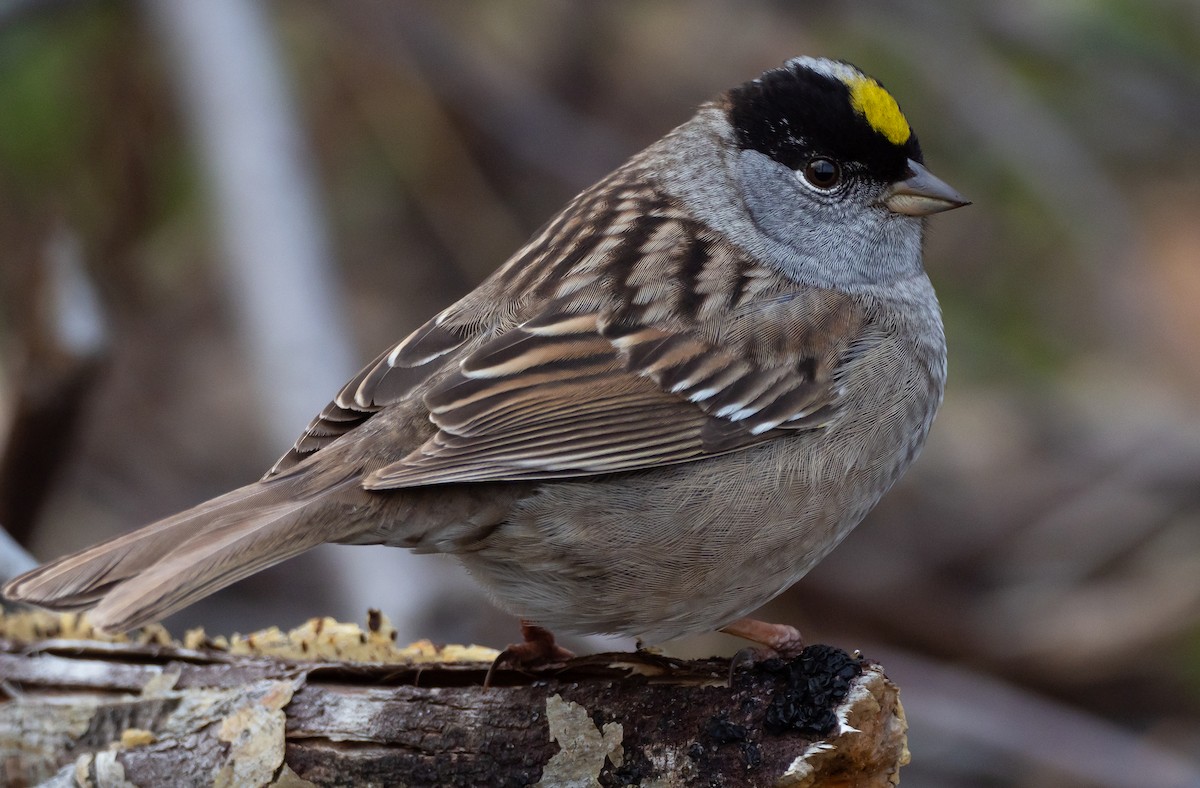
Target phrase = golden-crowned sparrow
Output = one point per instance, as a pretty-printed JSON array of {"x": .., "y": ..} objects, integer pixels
[{"x": 661, "y": 412}]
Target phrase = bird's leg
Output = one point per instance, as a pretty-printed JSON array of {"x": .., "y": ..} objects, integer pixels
[{"x": 537, "y": 648}]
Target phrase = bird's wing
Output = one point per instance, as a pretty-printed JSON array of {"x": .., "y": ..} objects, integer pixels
[
  {"x": 568, "y": 394},
  {"x": 391, "y": 377},
  {"x": 623, "y": 335}
]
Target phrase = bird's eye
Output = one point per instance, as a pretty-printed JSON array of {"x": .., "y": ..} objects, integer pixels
[{"x": 823, "y": 173}]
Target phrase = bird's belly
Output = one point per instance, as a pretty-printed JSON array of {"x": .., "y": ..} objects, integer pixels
[{"x": 670, "y": 552}]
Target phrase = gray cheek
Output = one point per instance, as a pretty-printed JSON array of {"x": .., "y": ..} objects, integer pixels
[
  {"x": 777, "y": 203},
  {"x": 810, "y": 240},
  {"x": 845, "y": 243}
]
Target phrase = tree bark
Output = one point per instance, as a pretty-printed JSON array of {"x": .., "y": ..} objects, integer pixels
[{"x": 153, "y": 712}]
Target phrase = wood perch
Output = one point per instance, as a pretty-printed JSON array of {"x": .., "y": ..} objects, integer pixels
[{"x": 332, "y": 704}]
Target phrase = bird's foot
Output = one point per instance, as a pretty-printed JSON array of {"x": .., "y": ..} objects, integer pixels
[
  {"x": 783, "y": 640},
  {"x": 775, "y": 640},
  {"x": 536, "y": 649}
]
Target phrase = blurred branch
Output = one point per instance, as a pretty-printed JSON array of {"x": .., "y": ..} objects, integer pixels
[
  {"x": 14, "y": 559},
  {"x": 1032, "y": 139},
  {"x": 64, "y": 344},
  {"x": 12, "y": 11},
  {"x": 287, "y": 300},
  {"x": 543, "y": 133},
  {"x": 946, "y": 701},
  {"x": 427, "y": 151},
  {"x": 1114, "y": 566}
]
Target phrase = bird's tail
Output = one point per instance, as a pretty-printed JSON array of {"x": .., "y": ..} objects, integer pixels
[{"x": 147, "y": 574}]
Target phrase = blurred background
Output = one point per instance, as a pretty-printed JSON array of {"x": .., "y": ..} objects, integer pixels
[{"x": 212, "y": 213}]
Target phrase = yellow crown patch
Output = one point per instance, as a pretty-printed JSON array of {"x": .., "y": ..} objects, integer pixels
[{"x": 870, "y": 100}]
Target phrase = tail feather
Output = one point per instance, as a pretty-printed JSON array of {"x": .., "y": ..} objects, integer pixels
[
  {"x": 81, "y": 579},
  {"x": 206, "y": 563},
  {"x": 147, "y": 574}
]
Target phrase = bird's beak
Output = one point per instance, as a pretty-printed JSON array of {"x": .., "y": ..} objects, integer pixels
[{"x": 921, "y": 194}]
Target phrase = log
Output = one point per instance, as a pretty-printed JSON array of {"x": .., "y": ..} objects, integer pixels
[{"x": 333, "y": 704}]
